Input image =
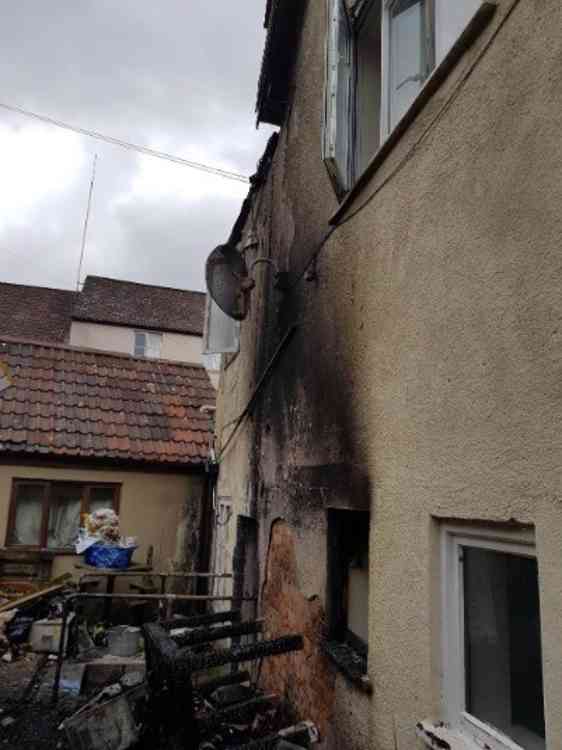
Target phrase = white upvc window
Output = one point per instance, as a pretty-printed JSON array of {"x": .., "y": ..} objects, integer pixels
[
  {"x": 408, "y": 39},
  {"x": 147, "y": 344},
  {"x": 221, "y": 334},
  {"x": 492, "y": 661},
  {"x": 378, "y": 57}
]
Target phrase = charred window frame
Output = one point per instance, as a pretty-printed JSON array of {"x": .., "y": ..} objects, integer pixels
[
  {"x": 37, "y": 505},
  {"x": 348, "y": 577}
]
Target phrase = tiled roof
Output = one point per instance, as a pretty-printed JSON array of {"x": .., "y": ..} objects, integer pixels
[
  {"x": 35, "y": 312},
  {"x": 142, "y": 305},
  {"x": 72, "y": 402}
]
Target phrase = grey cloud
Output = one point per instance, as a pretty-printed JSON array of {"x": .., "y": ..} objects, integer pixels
[{"x": 178, "y": 74}]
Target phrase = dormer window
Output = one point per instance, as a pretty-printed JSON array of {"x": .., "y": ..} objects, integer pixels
[{"x": 148, "y": 344}]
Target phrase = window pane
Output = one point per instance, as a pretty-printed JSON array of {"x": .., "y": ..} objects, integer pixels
[
  {"x": 101, "y": 498},
  {"x": 153, "y": 345},
  {"x": 358, "y": 582},
  {"x": 368, "y": 88},
  {"x": 450, "y": 21},
  {"x": 407, "y": 55},
  {"x": 502, "y": 644},
  {"x": 29, "y": 514},
  {"x": 222, "y": 334},
  {"x": 64, "y": 515},
  {"x": 140, "y": 344}
]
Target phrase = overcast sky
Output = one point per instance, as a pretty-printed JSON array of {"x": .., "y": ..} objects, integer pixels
[{"x": 176, "y": 75}]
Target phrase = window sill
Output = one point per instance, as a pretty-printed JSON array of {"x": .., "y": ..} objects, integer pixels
[
  {"x": 39, "y": 552},
  {"x": 439, "y": 736},
  {"x": 479, "y": 21},
  {"x": 350, "y": 663}
]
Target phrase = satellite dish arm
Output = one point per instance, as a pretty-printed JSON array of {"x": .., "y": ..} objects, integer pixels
[{"x": 263, "y": 259}]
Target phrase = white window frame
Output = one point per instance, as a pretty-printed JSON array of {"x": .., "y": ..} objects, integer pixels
[
  {"x": 340, "y": 161},
  {"x": 519, "y": 542},
  {"x": 429, "y": 55},
  {"x": 147, "y": 334},
  {"x": 338, "y": 51}
]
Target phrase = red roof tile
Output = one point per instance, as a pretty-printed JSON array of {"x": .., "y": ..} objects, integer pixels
[{"x": 67, "y": 401}]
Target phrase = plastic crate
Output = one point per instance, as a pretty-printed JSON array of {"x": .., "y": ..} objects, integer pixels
[{"x": 101, "y": 555}]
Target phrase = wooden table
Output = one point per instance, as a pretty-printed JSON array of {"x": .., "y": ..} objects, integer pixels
[{"x": 111, "y": 574}]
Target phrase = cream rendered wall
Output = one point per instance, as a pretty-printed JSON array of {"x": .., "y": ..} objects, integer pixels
[
  {"x": 438, "y": 310},
  {"x": 175, "y": 346},
  {"x": 151, "y": 506}
]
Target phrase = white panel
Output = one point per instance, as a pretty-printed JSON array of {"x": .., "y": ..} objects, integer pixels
[
  {"x": 337, "y": 114},
  {"x": 222, "y": 334},
  {"x": 451, "y": 18},
  {"x": 406, "y": 56}
]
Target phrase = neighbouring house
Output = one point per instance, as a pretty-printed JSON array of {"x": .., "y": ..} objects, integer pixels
[
  {"x": 81, "y": 430},
  {"x": 389, "y": 432},
  {"x": 111, "y": 315}
]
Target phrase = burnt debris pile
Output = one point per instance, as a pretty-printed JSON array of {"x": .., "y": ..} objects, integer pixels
[{"x": 228, "y": 709}]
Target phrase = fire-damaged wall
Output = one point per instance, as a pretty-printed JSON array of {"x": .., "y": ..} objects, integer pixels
[
  {"x": 296, "y": 456},
  {"x": 412, "y": 373}
]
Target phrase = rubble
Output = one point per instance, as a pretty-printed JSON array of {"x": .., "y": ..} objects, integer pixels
[{"x": 110, "y": 701}]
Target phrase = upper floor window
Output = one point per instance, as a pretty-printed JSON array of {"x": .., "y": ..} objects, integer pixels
[
  {"x": 379, "y": 54},
  {"x": 148, "y": 344}
]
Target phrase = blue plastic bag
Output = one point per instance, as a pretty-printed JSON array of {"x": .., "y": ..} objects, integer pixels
[{"x": 102, "y": 555}]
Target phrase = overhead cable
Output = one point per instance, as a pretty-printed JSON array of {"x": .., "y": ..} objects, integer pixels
[{"x": 217, "y": 171}]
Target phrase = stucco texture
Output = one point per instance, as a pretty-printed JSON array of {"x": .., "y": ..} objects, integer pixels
[
  {"x": 155, "y": 508},
  {"x": 428, "y": 352}
]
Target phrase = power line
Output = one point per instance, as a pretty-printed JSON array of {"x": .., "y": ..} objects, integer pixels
[{"x": 127, "y": 144}]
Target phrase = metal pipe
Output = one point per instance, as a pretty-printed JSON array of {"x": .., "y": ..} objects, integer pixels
[
  {"x": 197, "y": 637},
  {"x": 149, "y": 573},
  {"x": 206, "y": 687},
  {"x": 169, "y": 597},
  {"x": 231, "y": 615},
  {"x": 218, "y": 657}
]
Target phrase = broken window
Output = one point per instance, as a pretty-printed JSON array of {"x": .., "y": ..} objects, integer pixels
[
  {"x": 378, "y": 57},
  {"x": 148, "y": 344},
  {"x": 46, "y": 515},
  {"x": 493, "y": 660},
  {"x": 348, "y": 577}
]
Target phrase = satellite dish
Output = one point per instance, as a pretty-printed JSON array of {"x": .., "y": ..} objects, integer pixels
[{"x": 228, "y": 282}]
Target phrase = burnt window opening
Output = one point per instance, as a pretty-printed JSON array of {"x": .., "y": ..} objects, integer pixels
[{"x": 348, "y": 578}]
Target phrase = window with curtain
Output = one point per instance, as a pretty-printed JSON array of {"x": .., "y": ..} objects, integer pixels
[{"x": 46, "y": 515}]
